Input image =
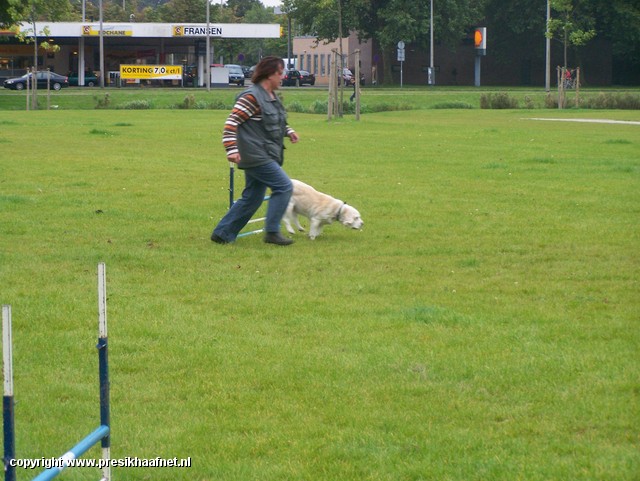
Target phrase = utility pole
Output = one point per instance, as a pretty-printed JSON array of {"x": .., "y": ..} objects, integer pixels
[
  {"x": 547, "y": 69},
  {"x": 207, "y": 68},
  {"x": 102, "y": 72},
  {"x": 339, "y": 110},
  {"x": 433, "y": 74},
  {"x": 81, "y": 49},
  {"x": 289, "y": 63}
]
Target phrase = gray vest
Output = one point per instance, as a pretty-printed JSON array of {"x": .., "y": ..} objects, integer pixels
[{"x": 261, "y": 142}]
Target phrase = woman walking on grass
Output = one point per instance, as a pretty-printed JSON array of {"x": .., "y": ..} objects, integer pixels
[{"x": 253, "y": 138}]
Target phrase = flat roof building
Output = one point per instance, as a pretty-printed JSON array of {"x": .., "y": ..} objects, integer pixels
[{"x": 123, "y": 43}]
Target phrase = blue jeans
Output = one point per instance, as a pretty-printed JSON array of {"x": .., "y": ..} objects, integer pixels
[{"x": 257, "y": 179}]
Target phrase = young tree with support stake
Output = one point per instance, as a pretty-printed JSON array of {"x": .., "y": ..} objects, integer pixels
[
  {"x": 572, "y": 25},
  {"x": 32, "y": 11}
]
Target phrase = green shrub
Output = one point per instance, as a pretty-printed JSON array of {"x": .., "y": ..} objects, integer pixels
[
  {"x": 528, "y": 102},
  {"x": 348, "y": 107},
  {"x": 550, "y": 102},
  {"x": 612, "y": 101},
  {"x": 296, "y": 106},
  {"x": 389, "y": 107},
  {"x": 189, "y": 102},
  {"x": 452, "y": 105},
  {"x": 500, "y": 100},
  {"x": 102, "y": 103},
  {"x": 319, "y": 107},
  {"x": 135, "y": 105},
  {"x": 219, "y": 104}
]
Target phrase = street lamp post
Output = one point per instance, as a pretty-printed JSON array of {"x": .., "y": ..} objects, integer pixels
[
  {"x": 81, "y": 49},
  {"x": 207, "y": 65},
  {"x": 547, "y": 68},
  {"x": 101, "y": 49},
  {"x": 289, "y": 63},
  {"x": 433, "y": 78}
]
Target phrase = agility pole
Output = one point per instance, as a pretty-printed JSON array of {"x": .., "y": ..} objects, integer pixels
[
  {"x": 7, "y": 399},
  {"x": 101, "y": 433}
]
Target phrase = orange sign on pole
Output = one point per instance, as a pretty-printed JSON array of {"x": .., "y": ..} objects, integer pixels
[{"x": 480, "y": 40}]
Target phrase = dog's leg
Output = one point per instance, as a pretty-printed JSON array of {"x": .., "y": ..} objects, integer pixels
[
  {"x": 288, "y": 217},
  {"x": 315, "y": 229},
  {"x": 297, "y": 223}
]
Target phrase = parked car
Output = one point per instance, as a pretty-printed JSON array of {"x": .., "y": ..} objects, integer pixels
[
  {"x": 54, "y": 80},
  {"x": 236, "y": 75},
  {"x": 247, "y": 71},
  {"x": 291, "y": 77},
  {"x": 307, "y": 78},
  {"x": 90, "y": 79}
]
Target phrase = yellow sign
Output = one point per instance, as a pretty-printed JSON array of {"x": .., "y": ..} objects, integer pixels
[
  {"x": 153, "y": 72},
  {"x": 107, "y": 31}
]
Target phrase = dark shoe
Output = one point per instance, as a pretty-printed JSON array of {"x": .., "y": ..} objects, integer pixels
[
  {"x": 217, "y": 239},
  {"x": 277, "y": 238}
]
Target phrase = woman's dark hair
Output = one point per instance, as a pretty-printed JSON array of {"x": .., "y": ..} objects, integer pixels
[{"x": 267, "y": 67}]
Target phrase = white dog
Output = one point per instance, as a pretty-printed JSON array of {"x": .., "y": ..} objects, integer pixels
[{"x": 321, "y": 209}]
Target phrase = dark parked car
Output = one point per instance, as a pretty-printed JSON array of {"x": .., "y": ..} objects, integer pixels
[
  {"x": 54, "y": 80},
  {"x": 307, "y": 78},
  {"x": 236, "y": 75},
  {"x": 90, "y": 79},
  {"x": 247, "y": 72},
  {"x": 291, "y": 77}
]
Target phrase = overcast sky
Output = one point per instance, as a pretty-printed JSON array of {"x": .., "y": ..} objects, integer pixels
[{"x": 271, "y": 3}]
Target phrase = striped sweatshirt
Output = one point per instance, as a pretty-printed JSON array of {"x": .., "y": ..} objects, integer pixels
[{"x": 246, "y": 109}]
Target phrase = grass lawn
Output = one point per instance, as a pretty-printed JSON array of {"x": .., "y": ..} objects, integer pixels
[{"x": 484, "y": 325}]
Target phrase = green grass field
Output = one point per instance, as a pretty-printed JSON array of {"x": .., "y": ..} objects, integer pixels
[{"x": 484, "y": 325}]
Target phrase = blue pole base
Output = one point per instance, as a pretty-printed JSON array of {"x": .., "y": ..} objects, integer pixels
[{"x": 74, "y": 453}]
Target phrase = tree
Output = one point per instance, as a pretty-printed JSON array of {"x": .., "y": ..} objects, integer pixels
[
  {"x": 618, "y": 21},
  {"x": 574, "y": 24},
  {"x": 6, "y": 18},
  {"x": 256, "y": 48},
  {"x": 386, "y": 21},
  {"x": 32, "y": 11},
  {"x": 240, "y": 8},
  {"x": 188, "y": 11}
]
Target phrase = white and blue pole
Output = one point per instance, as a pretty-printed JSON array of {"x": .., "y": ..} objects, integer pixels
[
  {"x": 103, "y": 367},
  {"x": 102, "y": 433},
  {"x": 7, "y": 399}
]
